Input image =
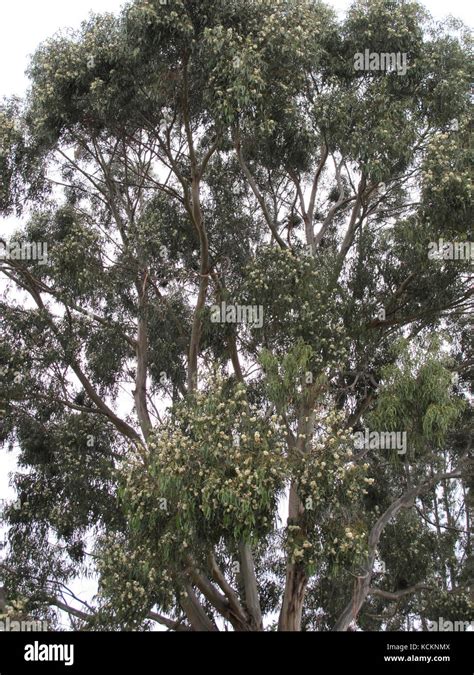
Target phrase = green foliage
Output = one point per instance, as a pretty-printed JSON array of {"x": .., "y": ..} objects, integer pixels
[
  {"x": 218, "y": 465},
  {"x": 419, "y": 400}
]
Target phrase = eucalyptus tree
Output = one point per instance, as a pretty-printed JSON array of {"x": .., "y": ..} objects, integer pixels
[{"x": 238, "y": 218}]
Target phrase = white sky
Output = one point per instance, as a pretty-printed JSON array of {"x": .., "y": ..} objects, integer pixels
[{"x": 25, "y": 23}]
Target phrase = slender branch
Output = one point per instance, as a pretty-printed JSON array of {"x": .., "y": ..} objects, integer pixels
[
  {"x": 169, "y": 623},
  {"x": 362, "y": 585},
  {"x": 387, "y": 595},
  {"x": 257, "y": 193},
  {"x": 231, "y": 595}
]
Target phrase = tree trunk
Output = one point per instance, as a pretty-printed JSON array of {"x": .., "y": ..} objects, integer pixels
[
  {"x": 296, "y": 579},
  {"x": 293, "y": 599}
]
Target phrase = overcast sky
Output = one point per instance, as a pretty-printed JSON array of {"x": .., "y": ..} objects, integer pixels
[{"x": 25, "y": 23}]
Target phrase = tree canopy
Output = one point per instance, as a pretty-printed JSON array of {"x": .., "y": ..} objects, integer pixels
[{"x": 190, "y": 167}]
